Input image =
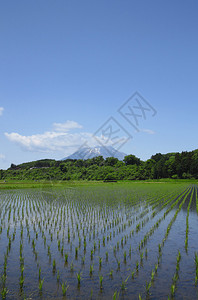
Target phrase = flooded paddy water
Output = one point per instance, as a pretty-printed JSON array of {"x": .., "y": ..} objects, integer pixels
[{"x": 109, "y": 241}]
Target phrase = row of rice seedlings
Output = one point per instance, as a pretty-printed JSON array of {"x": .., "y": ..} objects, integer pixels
[
  {"x": 167, "y": 201},
  {"x": 164, "y": 198},
  {"x": 34, "y": 208},
  {"x": 196, "y": 191},
  {"x": 196, "y": 268},
  {"x": 21, "y": 280},
  {"x": 138, "y": 227},
  {"x": 175, "y": 276},
  {"x": 35, "y": 253},
  {"x": 155, "y": 203},
  {"x": 66, "y": 257},
  {"x": 160, "y": 246},
  {"x": 176, "y": 213},
  {"x": 54, "y": 269},
  {"x": 156, "y": 225},
  {"x": 4, "y": 289},
  {"x": 79, "y": 245},
  {"x": 107, "y": 237},
  {"x": 99, "y": 262},
  {"x": 140, "y": 263},
  {"x": 6, "y": 210},
  {"x": 187, "y": 223}
]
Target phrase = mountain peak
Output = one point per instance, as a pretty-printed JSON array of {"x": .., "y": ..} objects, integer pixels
[{"x": 90, "y": 152}]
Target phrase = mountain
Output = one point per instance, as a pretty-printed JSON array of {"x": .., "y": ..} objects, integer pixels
[{"x": 88, "y": 152}]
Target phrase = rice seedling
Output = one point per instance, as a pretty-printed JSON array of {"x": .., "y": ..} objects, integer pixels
[
  {"x": 54, "y": 265},
  {"x": 137, "y": 266},
  {"x": 156, "y": 267},
  {"x": 83, "y": 260},
  {"x": 72, "y": 267},
  {"x": 160, "y": 249},
  {"x": 78, "y": 277},
  {"x": 33, "y": 244},
  {"x": 94, "y": 246},
  {"x": 101, "y": 280},
  {"x": 125, "y": 257},
  {"x": 146, "y": 253},
  {"x": 196, "y": 268},
  {"x": 3, "y": 279},
  {"x": 100, "y": 261},
  {"x": 21, "y": 281},
  {"x": 66, "y": 258},
  {"x": 148, "y": 286},
  {"x": 41, "y": 284},
  {"x": 107, "y": 255},
  {"x": 39, "y": 273},
  {"x": 111, "y": 273},
  {"x": 141, "y": 257},
  {"x": 133, "y": 274},
  {"x": 92, "y": 254},
  {"x": 130, "y": 251},
  {"x": 91, "y": 269},
  {"x": 58, "y": 276},
  {"x": 76, "y": 252},
  {"x": 178, "y": 257},
  {"x": 64, "y": 288},
  {"x": 4, "y": 292},
  {"x": 116, "y": 295},
  {"x": 123, "y": 285},
  {"x": 118, "y": 263},
  {"x": 152, "y": 275},
  {"x": 173, "y": 290},
  {"x": 59, "y": 245}
]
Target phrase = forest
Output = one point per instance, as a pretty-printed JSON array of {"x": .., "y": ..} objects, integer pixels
[{"x": 182, "y": 165}]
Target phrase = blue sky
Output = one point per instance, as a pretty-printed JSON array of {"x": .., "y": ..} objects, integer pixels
[{"x": 66, "y": 67}]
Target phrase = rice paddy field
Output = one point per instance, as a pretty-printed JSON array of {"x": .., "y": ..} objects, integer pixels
[{"x": 100, "y": 241}]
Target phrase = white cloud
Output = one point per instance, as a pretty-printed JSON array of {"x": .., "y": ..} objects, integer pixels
[
  {"x": 149, "y": 131},
  {"x": 64, "y": 127},
  {"x": 58, "y": 140},
  {"x": 1, "y": 111},
  {"x": 48, "y": 141}
]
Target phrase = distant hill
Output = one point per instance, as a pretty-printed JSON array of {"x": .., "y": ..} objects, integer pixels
[{"x": 87, "y": 152}]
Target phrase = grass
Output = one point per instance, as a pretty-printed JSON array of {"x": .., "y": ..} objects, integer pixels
[{"x": 26, "y": 184}]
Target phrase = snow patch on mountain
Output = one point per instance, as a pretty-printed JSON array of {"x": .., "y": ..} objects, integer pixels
[{"x": 90, "y": 152}]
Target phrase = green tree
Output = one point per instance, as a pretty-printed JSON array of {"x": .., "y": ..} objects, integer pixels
[
  {"x": 111, "y": 161},
  {"x": 131, "y": 160},
  {"x": 63, "y": 167}
]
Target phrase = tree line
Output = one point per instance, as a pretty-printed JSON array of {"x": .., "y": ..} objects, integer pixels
[{"x": 182, "y": 165}]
